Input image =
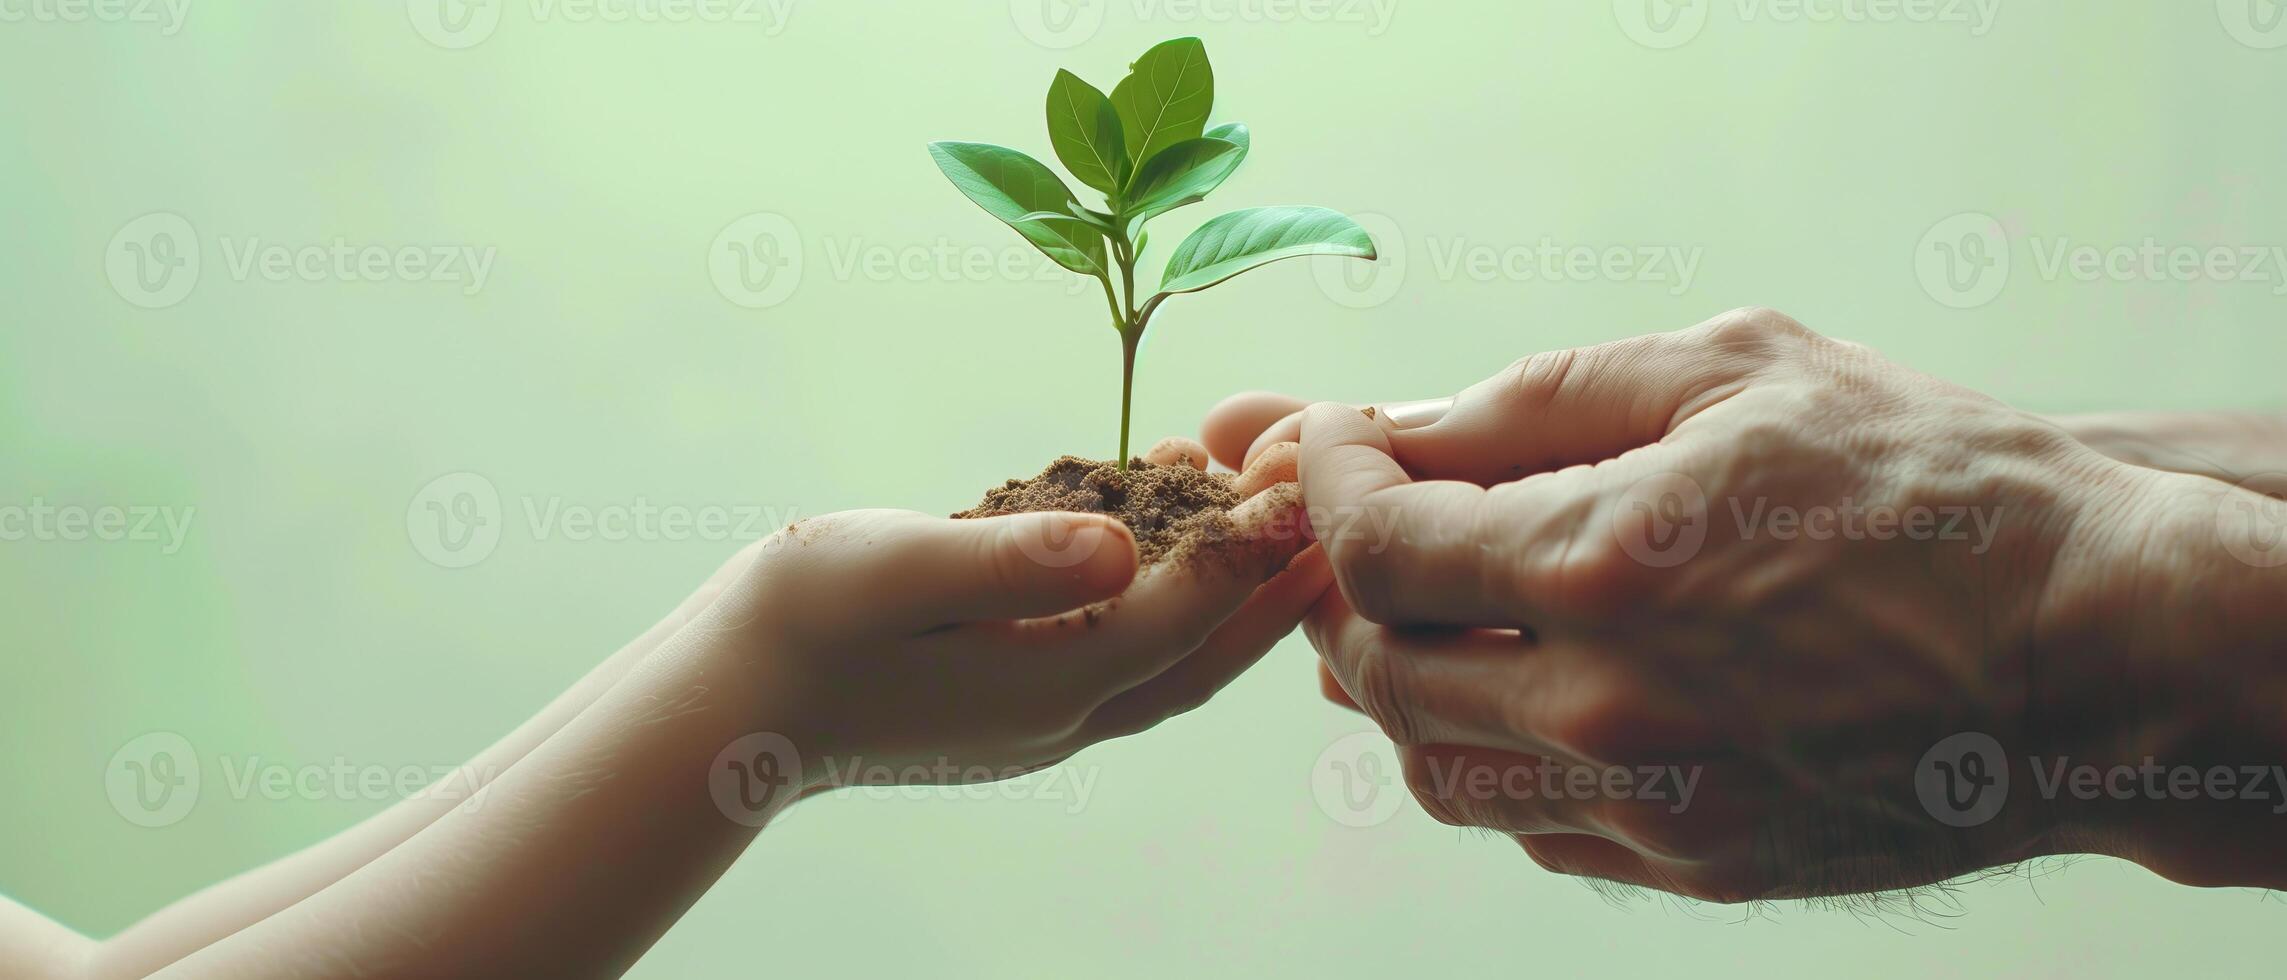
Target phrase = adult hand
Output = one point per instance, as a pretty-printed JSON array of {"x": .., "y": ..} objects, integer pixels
[{"x": 1700, "y": 611}]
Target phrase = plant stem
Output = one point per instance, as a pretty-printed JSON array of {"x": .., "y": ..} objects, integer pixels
[
  {"x": 1128, "y": 339},
  {"x": 1130, "y": 326}
]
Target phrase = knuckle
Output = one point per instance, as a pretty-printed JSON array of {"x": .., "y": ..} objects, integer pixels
[
  {"x": 1383, "y": 684},
  {"x": 1598, "y": 574},
  {"x": 1754, "y": 332},
  {"x": 1571, "y": 557},
  {"x": 1532, "y": 382},
  {"x": 1771, "y": 441}
]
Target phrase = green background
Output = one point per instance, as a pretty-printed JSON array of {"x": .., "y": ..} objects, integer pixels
[{"x": 601, "y": 365}]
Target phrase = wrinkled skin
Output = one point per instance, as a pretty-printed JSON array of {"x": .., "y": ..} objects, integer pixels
[{"x": 1664, "y": 552}]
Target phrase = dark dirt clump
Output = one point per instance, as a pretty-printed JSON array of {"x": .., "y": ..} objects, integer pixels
[{"x": 1172, "y": 509}]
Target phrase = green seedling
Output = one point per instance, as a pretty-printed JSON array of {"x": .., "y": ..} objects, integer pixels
[{"x": 1147, "y": 148}]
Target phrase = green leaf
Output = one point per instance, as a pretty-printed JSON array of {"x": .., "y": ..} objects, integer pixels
[
  {"x": 1236, "y": 133},
  {"x": 1085, "y": 130},
  {"x": 1077, "y": 247},
  {"x": 1233, "y": 243},
  {"x": 1165, "y": 98},
  {"x": 1092, "y": 216},
  {"x": 1014, "y": 188},
  {"x": 1182, "y": 174}
]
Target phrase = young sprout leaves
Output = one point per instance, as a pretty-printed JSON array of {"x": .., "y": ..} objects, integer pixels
[
  {"x": 1235, "y": 242},
  {"x": 1017, "y": 189},
  {"x": 1165, "y": 98},
  {"x": 1183, "y": 174},
  {"x": 1086, "y": 133},
  {"x": 1147, "y": 149}
]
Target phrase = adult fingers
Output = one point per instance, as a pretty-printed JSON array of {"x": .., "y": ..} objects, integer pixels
[
  {"x": 1268, "y": 616},
  {"x": 1331, "y": 689},
  {"x": 1563, "y": 407},
  {"x": 1372, "y": 517},
  {"x": 1540, "y": 551},
  {"x": 1478, "y": 687},
  {"x": 1603, "y": 859},
  {"x": 1592, "y": 857},
  {"x": 1492, "y": 789},
  {"x": 1566, "y": 407},
  {"x": 1656, "y": 810}
]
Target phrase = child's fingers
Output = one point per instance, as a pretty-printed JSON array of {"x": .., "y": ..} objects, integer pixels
[
  {"x": 1275, "y": 465},
  {"x": 1177, "y": 449},
  {"x": 904, "y": 572},
  {"x": 1232, "y": 425},
  {"x": 1019, "y": 566},
  {"x": 1268, "y": 616},
  {"x": 1172, "y": 609}
]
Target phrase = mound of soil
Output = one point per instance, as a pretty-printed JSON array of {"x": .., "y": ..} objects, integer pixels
[{"x": 1175, "y": 512}]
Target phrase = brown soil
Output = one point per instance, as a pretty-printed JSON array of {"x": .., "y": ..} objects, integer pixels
[{"x": 1175, "y": 511}]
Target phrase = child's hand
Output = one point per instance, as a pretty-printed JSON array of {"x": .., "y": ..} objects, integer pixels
[
  {"x": 981, "y": 649},
  {"x": 930, "y": 649}
]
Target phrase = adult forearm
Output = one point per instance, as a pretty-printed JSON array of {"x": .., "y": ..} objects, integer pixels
[
  {"x": 2231, "y": 446},
  {"x": 2180, "y": 759}
]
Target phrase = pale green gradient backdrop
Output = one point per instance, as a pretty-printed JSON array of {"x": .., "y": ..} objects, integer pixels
[{"x": 599, "y": 365}]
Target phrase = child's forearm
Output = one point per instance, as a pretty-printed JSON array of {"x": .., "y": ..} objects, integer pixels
[
  {"x": 571, "y": 863},
  {"x": 198, "y": 920}
]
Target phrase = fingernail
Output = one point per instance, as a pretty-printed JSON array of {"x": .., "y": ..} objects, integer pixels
[{"x": 1414, "y": 415}]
